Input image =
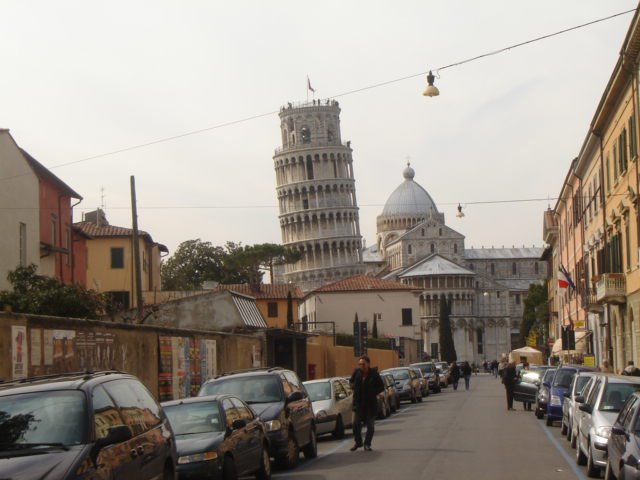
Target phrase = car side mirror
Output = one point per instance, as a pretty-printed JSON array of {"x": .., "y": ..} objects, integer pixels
[
  {"x": 295, "y": 397},
  {"x": 116, "y": 434},
  {"x": 618, "y": 430},
  {"x": 537, "y": 383},
  {"x": 585, "y": 408},
  {"x": 239, "y": 423},
  {"x": 566, "y": 394},
  {"x": 579, "y": 399}
]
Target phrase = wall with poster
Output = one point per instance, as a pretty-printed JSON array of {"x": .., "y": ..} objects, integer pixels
[{"x": 172, "y": 363}]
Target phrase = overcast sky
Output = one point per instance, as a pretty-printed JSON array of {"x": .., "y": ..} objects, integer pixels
[{"x": 82, "y": 78}]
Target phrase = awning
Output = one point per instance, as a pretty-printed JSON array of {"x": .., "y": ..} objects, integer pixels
[
  {"x": 249, "y": 312},
  {"x": 582, "y": 341}
]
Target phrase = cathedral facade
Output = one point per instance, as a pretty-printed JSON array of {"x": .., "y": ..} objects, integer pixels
[{"x": 486, "y": 287}]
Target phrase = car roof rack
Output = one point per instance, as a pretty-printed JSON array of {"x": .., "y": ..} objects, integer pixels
[
  {"x": 85, "y": 375},
  {"x": 249, "y": 370}
]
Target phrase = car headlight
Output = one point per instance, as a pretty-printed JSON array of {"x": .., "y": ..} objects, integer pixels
[
  {"x": 543, "y": 395},
  {"x": 321, "y": 414},
  {"x": 555, "y": 400},
  {"x": 198, "y": 457},
  {"x": 272, "y": 425},
  {"x": 604, "y": 432}
]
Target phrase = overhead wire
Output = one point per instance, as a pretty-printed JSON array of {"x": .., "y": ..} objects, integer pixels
[{"x": 343, "y": 94}]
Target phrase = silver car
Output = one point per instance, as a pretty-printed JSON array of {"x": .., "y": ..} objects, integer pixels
[
  {"x": 578, "y": 383},
  {"x": 598, "y": 413},
  {"x": 332, "y": 403}
]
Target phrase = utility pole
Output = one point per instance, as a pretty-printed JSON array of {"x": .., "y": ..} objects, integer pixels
[{"x": 136, "y": 251}]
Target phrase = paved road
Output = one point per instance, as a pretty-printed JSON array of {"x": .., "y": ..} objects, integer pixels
[{"x": 452, "y": 435}]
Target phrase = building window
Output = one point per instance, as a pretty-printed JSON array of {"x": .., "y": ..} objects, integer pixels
[
  {"x": 433, "y": 248},
  {"x": 305, "y": 134},
  {"x": 493, "y": 269},
  {"x": 407, "y": 317},
  {"x": 498, "y": 294},
  {"x": 409, "y": 249},
  {"x": 517, "y": 299},
  {"x": 536, "y": 268},
  {"x": 117, "y": 257},
  {"x": 440, "y": 232},
  {"x": 305, "y": 204},
  {"x": 119, "y": 300},
  {"x": 23, "y": 244},
  {"x": 309, "y": 169},
  {"x": 54, "y": 230},
  {"x": 514, "y": 268},
  {"x": 627, "y": 245},
  {"x": 68, "y": 245},
  {"x": 423, "y": 232},
  {"x": 272, "y": 309},
  {"x": 455, "y": 248},
  {"x": 633, "y": 147}
]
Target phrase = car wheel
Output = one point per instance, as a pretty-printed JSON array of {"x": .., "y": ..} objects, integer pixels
[
  {"x": 581, "y": 458},
  {"x": 593, "y": 471},
  {"x": 265, "y": 464},
  {"x": 568, "y": 433},
  {"x": 413, "y": 397},
  {"x": 574, "y": 439},
  {"x": 229, "y": 469},
  {"x": 608, "y": 473},
  {"x": 290, "y": 459},
  {"x": 563, "y": 428},
  {"x": 311, "y": 449},
  {"x": 339, "y": 431},
  {"x": 549, "y": 421}
]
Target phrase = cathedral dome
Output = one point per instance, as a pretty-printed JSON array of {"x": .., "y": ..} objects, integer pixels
[{"x": 409, "y": 199}]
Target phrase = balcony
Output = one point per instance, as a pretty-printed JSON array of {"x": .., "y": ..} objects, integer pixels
[
  {"x": 590, "y": 302},
  {"x": 611, "y": 288}
]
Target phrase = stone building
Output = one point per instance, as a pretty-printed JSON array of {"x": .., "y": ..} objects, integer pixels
[
  {"x": 317, "y": 195},
  {"x": 486, "y": 287}
]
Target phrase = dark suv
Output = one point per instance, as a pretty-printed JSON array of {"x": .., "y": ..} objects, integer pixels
[
  {"x": 281, "y": 401},
  {"x": 83, "y": 425}
]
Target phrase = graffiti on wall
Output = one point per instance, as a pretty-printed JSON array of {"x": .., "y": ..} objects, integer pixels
[{"x": 180, "y": 366}]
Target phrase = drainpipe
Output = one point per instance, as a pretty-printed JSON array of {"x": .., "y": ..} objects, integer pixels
[{"x": 71, "y": 254}]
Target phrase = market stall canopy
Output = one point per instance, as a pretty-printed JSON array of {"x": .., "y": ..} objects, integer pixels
[{"x": 529, "y": 354}]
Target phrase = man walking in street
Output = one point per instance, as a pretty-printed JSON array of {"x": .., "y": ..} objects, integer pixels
[
  {"x": 367, "y": 384},
  {"x": 509, "y": 376},
  {"x": 454, "y": 374},
  {"x": 466, "y": 373}
]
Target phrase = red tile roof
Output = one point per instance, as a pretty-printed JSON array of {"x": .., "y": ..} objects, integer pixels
[
  {"x": 97, "y": 231},
  {"x": 43, "y": 172},
  {"x": 266, "y": 291},
  {"x": 362, "y": 282}
]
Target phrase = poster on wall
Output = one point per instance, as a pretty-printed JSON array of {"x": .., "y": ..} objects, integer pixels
[
  {"x": 209, "y": 364},
  {"x": 165, "y": 369},
  {"x": 96, "y": 351},
  {"x": 64, "y": 358},
  {"x": 35, "y": 347},
  {"x": 180, "y": 370},
  {"x": 195, "y": 377},
  {"x": 19, "y": 351}
]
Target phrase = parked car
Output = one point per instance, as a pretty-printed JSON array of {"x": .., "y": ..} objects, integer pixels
[
  {"x": 599, "y": 412},
  {"x": 443, "y": 373},
  {"x": 526, "y": 388},
  {"x": 559, "y": 386},
  {"x": 430, "y": 372},
  {"x": 623, "y": 449},
  {"x": 84, "y": 425},
  {"x": 332, "y": 402},
  {"x": 424, "y": 383},
  {"x": 218, "y": 436},
  {"x": 577, "y": 413},
  {"x": 407, "y": 383},
  {"x": 580, "y": 380},
  {"x": 542, "y": 396},
  {"x": 392, "y": 393},
  {"x": 282, "y": 403}
]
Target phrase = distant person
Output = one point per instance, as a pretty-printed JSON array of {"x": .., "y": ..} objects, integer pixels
[
  {"x": 454, "y": 374},
  {"x": 631, "y": 369},
  {"x": 525, "y": 369},
  {"x": 367, "y": 384},
  {"x": 494, "y": 368},
  {"x": 509, "y": 378},
  {"x": 466, "y": 373},
  {"x": 501, "y": 366}
]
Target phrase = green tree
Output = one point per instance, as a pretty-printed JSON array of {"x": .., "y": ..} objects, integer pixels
[
  {"x": 447, "y": 347},
  {"x": 43, "y": 295},
  {"x": 535, "y": 314},
  {"x": 252, "y": 261}
]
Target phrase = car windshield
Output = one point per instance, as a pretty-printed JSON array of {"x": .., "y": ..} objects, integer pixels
[
  {"x": 530, "y": 377},
  {"x": 426, "y": 367},
  {"x": 615, "y": 394},
  {"x": 251, "y": 389},
  {"x": 42, "y": 419},
  {"x": 401, "y": 374},
  {"x": 548, "y": 375},
  {"x": 563, "y": 377},
  {"x": 198, "y": 417},
  {"x": 318, "y": 390}
]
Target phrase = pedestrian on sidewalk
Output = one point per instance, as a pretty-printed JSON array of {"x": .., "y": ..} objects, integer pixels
[
  {"x": 501, "y": 366},
  {"x": 494, "y": 368},
  {"x": 366, "y": 384},
  {"x": 525, "y": 369},
  {"x": 466, "y": 373},
  {"x": 631, "y": 369},
  {"x": 509, "y": 377},
  {"x": 454, "y": 374}
]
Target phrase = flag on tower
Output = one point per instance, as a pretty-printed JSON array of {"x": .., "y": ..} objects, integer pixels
[
  {"x": 309, "y": 87},
  {"x": 564, "y": 279}
]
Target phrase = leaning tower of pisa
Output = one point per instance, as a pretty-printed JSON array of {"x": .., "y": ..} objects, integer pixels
[{"x": 317, "y": 195}]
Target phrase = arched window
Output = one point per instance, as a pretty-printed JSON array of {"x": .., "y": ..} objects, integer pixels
[
  {"x": 433, "y": 248},
  {"x": 309, "y": 169},
  {"x": 305, "y": 133}
]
